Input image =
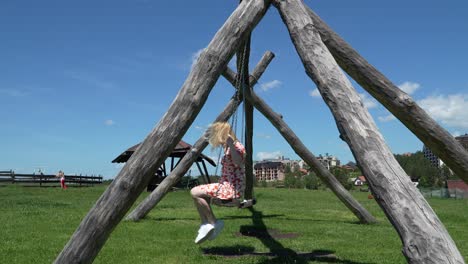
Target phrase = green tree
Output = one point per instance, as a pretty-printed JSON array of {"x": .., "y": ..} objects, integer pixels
[
  {"x": 289, "y": 180},
  {"x": 419, "y": 168},
  {"x": 311, "y": 181},
  {"x": 342, "y": 176}
]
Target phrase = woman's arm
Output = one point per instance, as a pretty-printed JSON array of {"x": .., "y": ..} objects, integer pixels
[{"x": 236, "y": 157}]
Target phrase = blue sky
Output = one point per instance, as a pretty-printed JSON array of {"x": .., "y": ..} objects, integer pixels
[{"x": 81, "y": 81}]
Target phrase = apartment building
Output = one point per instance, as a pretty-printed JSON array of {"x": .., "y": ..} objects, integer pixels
[
  {"x": 328, "y": 161},
  {"x": 435, "y": 161},
  {"x": 268, "y": 170}
]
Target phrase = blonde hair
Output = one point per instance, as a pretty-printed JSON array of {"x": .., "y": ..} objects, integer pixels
[{"x": 219, "y": 132}]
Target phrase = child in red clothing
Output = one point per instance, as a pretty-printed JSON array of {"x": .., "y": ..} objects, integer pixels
[
  {"x": 230, "y": 186},
  {"x": 61, "y": 175}
]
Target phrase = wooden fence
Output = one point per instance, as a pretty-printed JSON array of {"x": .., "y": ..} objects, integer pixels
[{"x": 48, "y": 180}]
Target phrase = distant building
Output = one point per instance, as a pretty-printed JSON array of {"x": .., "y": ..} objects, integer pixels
[
  {"x": 360, "y": 181},
  {"x": 431, "y": 157},
  {"x": 293, "y": 164},
  {"x": 328, "y": 161},
  {"x": 435, "y": 161},
  {"x": 273, "y": 169},
  {"x": 457, "y": 188},
  {"x": 268, "y": 170},
  {"x": 350, "y": 166}
]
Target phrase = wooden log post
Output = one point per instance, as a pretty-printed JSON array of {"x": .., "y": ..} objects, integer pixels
[
  {"x": 243, "y": 70},
  {"x": 156, "y": 196},
  {"x": 111, "y": 207},
  {"x": 425, "y": 239},
  {"x": 301, "y": 150},
  {"x": 400, "y": 104}
]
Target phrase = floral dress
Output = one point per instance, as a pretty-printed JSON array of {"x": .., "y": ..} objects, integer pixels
[{"x": 231, "y": 185}]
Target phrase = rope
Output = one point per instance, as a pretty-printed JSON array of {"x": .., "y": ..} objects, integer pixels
[{"x": 240, "y": 88}]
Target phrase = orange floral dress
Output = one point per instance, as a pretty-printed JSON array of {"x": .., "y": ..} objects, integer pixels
[{"x": 231, "y": 185}]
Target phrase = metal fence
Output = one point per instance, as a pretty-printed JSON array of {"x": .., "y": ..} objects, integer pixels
[{"x": 444, "y": 193}]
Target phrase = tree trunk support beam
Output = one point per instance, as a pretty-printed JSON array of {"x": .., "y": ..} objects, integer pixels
[
  {"x": 400, "y": 104},
  {"x": 243, "y": 69},
  {"x": 425, "y": 239},
  {"x": 111, "y": 207}
]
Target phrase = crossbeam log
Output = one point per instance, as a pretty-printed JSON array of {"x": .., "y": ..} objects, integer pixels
[
  {"x": 425, "y": 239},
  {"x": 301, "y": 150},
  {"x": 400, "y": 104}
]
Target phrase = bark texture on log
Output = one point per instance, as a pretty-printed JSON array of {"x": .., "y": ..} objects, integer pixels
[
  {"x": 425, "y": 239},
  {"x": 400, "y": 104},
  {"x": 301, "y": 150},
  {"x": 184, "y": 165},
  {"x": 111, "y": 207},
  {"x": 243, "y": 57}
]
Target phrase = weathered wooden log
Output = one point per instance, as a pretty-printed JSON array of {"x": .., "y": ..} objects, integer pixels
[
  {"x": 111, "y": 207},
  {"x": 243, "y": 71},
  {"x": 425, "y": 239},
  {"x": 400, "y": 104},
  {"x": 184, "y": 165},
  {"x": 301, "y": 150}
]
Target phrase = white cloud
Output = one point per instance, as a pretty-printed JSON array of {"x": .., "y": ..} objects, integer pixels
[
  {"x": 195, "y": 57},
  {"x": 387, "y": 118},
  {"x": 368, "y": 101},
  {"x": 270, "y": 85},
  {"x": 13, "y": 92},
  {"x": 265, "y": 136},
  {"x": 268, "y": 155},
  {"x": 314, "y": 93},
  {"x": 409, "y": 87},
  {"x": 450, "y": 110},
  {"x": 109, "y": 122}
]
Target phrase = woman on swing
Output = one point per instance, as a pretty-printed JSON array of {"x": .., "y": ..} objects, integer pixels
[{"x": 230, "y": 186}]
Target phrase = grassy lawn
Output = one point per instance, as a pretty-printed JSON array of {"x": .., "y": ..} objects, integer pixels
[{"x": 37, "y": 222}]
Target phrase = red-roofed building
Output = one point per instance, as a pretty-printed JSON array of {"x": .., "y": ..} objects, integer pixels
[
  {"x": 361, "y": 180},
  {"x": 457, "y": 188}
]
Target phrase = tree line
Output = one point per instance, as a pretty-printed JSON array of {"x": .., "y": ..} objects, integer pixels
[{"x": 416, "y": 166}]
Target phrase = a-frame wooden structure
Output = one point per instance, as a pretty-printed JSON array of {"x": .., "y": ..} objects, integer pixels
[{"x": 424, "y": 238}]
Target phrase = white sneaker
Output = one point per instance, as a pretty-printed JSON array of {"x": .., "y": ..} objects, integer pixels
[
  {"x": 205, "y": 231},
  {"x": 218, "y": 227}
]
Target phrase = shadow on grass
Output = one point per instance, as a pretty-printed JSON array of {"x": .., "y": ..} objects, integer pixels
[
  {"x": 324, "y": 220},
  {"x": 151, "y": 218},
  {"x": 250, "y": 217},
  {"x": 278, "y": 253},
  {"x": 280, "y": 256}
]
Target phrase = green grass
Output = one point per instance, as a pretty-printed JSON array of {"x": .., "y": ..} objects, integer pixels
[{"x": 37, "y": 222}]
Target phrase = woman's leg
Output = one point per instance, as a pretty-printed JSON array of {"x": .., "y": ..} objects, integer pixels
[{"x": 201, "y": 200}]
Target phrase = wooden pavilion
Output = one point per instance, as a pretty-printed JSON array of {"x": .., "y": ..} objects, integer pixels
[{"x": 177, "y": 153}]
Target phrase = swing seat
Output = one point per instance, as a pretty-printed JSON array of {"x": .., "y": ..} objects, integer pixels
[
  {"x": 234, "y": 203},
  {"x": 225, "y": 203}
]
